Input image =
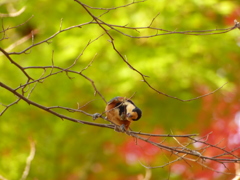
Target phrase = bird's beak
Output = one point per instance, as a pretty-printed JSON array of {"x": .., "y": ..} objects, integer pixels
[{"x": 129, "y": 115}]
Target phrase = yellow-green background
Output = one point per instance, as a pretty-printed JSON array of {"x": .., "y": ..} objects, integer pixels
[{"x": 179, "y": 65}]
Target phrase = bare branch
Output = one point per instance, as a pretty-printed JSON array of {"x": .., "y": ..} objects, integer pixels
[
  {"x": 17, "y": 65},
  {"x": 166, "y": 32},
  {"x": 153, "y": 20},
  {"x": 49, "y": 38},
  {"x": 28, "y": 161},
  {"x": 4, "y": 30},
  {"x": 101, "y": 23},
  {"x": 177, "y": 151},
  {"x": 165, "y": 164},
  {"x": 8, "y": 106},
  {"x": 49, "y": 110},
  {"x": 13, "y": 14},
  {"x": 113, "y": 8},
  {"x": 162, "y": 135}
]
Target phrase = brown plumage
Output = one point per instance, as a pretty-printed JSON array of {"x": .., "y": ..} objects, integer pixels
[{"x": 122, "y": 111}]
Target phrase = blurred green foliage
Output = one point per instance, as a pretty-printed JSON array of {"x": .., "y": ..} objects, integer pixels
[{"x": 179, "y": 65}]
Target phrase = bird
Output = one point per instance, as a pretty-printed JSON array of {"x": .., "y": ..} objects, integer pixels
[{"x": 122, "y": 111}]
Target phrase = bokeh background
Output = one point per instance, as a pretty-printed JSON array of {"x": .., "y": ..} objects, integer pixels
[{"x": 179, "y": 65}]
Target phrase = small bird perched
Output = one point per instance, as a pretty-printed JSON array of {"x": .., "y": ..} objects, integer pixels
[{"x": 122, "y": 111}]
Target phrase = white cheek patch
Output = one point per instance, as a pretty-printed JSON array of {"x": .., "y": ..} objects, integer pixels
[{"x": 130, "y": 108}]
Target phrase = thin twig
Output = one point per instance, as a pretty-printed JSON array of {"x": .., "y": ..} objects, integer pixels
[{"x": 28, "y": 161}]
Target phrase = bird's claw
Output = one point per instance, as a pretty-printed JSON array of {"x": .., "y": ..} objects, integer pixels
[
  {"x": 96, "y": 115},
  {"x": 121, "y": 129}
]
